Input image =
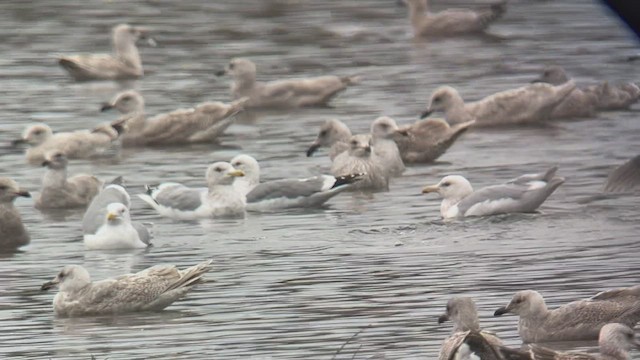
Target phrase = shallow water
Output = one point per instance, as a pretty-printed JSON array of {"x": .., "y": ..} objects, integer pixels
[{"x": 298, "y": 284}]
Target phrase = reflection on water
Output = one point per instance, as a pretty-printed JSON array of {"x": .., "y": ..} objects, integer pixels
[{"x": 294, "y": 284}]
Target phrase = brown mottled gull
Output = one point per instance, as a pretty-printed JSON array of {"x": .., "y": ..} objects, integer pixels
[
  {"x": 426, "y": 140},
  {"x": 451, "y": 22},
  {"x": 79, "y": 144},
  {"x": 615, "y": 341},
  {"x": 292, "y": 93},
  {"x": 335, "y": 135},
  {"x": 361, "y": 159},
  {"x": 467, "y": 336},
  {"x": 152, "y": 289},
  {"x": 525, "y": 105},
  {"x": 12, "y": 232},
  {"x": 125, "y": 63},
  {"x": 615, "y": 97},
  {"x": 625, "y": 177},
  {"x": 60, "y": 192},
  {"x": 204, "y": 123},
  {"x": 578, "y": 104},
  {"x": 578, "y": 320},
  {"x": 382, "y": 131},
  {"x": 522, "y": 194}
]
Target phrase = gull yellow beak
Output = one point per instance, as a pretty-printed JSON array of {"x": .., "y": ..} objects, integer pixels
[
  {"x": 112, "y": 216},
  {"x": 430, "y": 189},
  {"x": 236, "y": 173}
]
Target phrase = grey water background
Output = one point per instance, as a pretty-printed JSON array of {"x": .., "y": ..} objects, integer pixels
[{"x": 298, "y": 284}]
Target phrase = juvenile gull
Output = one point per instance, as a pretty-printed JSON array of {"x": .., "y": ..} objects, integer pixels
[
  {"x": 382, "y": 131},
  {"x": 578, "y": 320},
  {"x": 181, "y": 202},
  {"x": 467, "y": 337},
  {"x": 96, "y": 213},
  {"x": 523, "y": 194},
  {"x": 60, "y": 192},
  {"x": 426, "y": 140},
  {"x": 615, "y": 341},
  {"x": 525, "y": 105},
  {"x": 292, "y": 93},
  {"x": 451, "y": 22},
  {"x": 612, "y": 97},
  {"x": 625, "y": 177},
  {"x": 116, "y": 232},
  {"x": 152, "y": 289},
  {"x": 335, "y": 135},
  {"x": 361, "y": 159},
  {"x": 578, "y": 104},
  {"x": 125, "y": 63},
  {"x": 12, "y": 232},
  {"x": 286, "y": 193},
  {"x": 204, "y": 123},
  {"x": 80, "y": 144}
]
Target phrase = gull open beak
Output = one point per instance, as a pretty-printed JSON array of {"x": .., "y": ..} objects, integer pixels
[
  {"x": 430, "y": 189},
  {"x": 105, "y": 107},
  {"x": 425, "y": 113},
  {"x": 50, "y": 284},
  {"x": 111, "y": 216},
  {"x": 22, "y": 193},
  {"x": 443, "y": 318},
  {"x": 312, "y": 149},
  {"x": 236, "y": 173}
]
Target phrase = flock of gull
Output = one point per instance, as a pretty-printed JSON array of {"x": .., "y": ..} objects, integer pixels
[{"x": 360, "y": 163}]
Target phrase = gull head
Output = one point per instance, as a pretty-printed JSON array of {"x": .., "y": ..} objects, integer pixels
[
  {"x": 125, "y": 102},
  {"x": 451, "y": 187},
  {"x": 462, "y": 312},
  {"x": 70, "y": 278},
  {"x": 247, "y": 165},
  {"x": 240, "y": 69},
  {"x": 222, "y": 173},
  {"x": 117, "y": 213},
  {"x": 9, "y": 190},
  {"x": 383, "y": 128},
  {"x": 36, "y": 134},
  {"x": 615, "y": 337},
  {"x": 55, "y": 160},
  {"x": 524, "y": 303},
  {"x": 554, "y": 75},
  {"x": 125, "y": 33},
  {"x": 442, "y": 99},
  {"x": 360, "y": 145},
  {"x": 332, "y": 131}
]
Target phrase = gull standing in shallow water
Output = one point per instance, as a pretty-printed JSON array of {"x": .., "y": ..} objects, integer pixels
[
  {"x": 361, "y": 159},
  {"x": 125, "y": 63},
  {"x": 282, "y": 94},
  {"x": 529, "y": 104},
  {"x": 578, "y": 320},
  {"x": 615, "y": 341},
  {"x": 181, "y": 202},
  {"x": 467, "y": 335},
  {"x": 60, "y": 192},
  {"x": 116, "y": 231},
  {"x": 520, "y": 195},
  {"x": 204, "y": 123},
  {"x": 12, "y": 232},
  {"x": 286, "y": 193},
  {"x": 152, "y": 289}
]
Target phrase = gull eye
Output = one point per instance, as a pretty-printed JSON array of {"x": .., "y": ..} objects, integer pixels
[
  {"x": 37, "y": 132},
  {"x": 445, "y": 184},
  {"x": 436, "y": 99},
  {"x": 323, "y": 133},
  {"x": 3, "y": 187},
  {"x": 354, "y": 143},
  {"x": 519, "y": 300},
  {"x": 218, "y": 169},
  {"x": 231, "y": 65}
]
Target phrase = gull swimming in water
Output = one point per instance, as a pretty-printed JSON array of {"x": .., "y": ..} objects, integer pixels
[
  {"x": 204, "y": 123},
  {"x": 152, "y": 289},
  {"x": 426, "y": 140},
  {"x": 382, "y": 131},
  {"x": 290, "y": 93},
  {"x": 578, "y": 320},
  {"x": 286, "y": 193},
  {"x": 12, "y": 232},
  {"x": 578, "y": 104},
  {"x": 625, "y": 177},
  {"x": 80, "y": 144},
  {"x": 529, "y": 104},
  {"x": 361, "y": 159},
  {"x": 181, "y": 202},
  {"x": 615, "y": 341},
  {"x": 333, "y": 134},
  {"x": 521, "y": 195},
  {"x": 116, "y": 232},
  {"x": 97, "y": 212},
  {"x": 467, "y": 337},
  {"x": 125, "y": 63},
  {"x": 451, "y": 22},
  {"x": 61, "y": 192}
]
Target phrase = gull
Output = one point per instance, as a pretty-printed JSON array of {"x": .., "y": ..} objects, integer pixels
[
  {"x": 625, "y": 177},
  {"x": 382, "y": 131},
  {"x": 578, "y": 104},
  {"x": 125, "y": 63},
  {"x": 61, "y": 192},
  {"x": 520, "y": 195},
  {"x": 12, "y": 232},
  {"x": 290, "y": 93},
  {"x": 333, "y": 134},
  {"x": 152, "y": 289},
  {"x": 116, "y": 232},
  {"x": 361, "y": 159},
  {"x": 578, "y": 320},
  {"x": 426, "y": 140},
  {"x": 181, "y": 202}
]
